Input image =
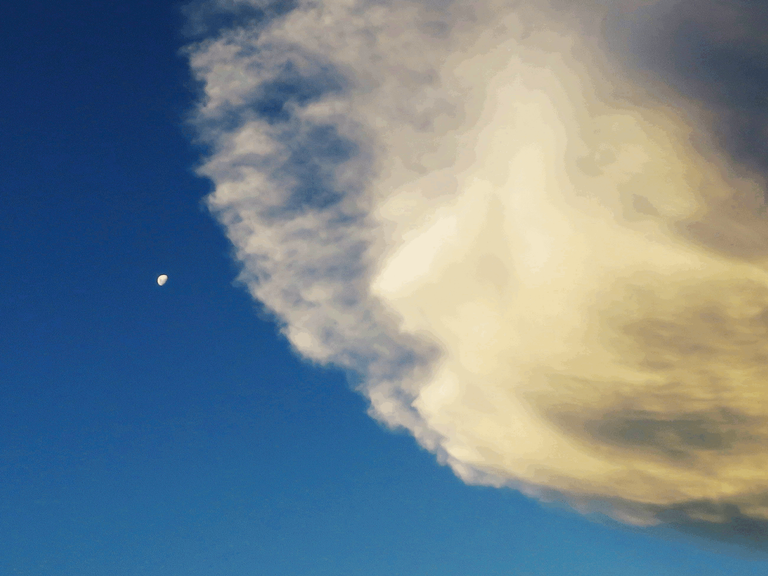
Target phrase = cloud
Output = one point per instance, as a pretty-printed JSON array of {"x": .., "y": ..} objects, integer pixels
[{"x": 538, "y": 244}]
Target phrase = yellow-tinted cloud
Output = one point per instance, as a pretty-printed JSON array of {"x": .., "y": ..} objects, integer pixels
[{"x": 543, "y": 267}]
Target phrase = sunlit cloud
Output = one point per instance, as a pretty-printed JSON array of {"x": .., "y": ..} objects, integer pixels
[{"x": 532, "y": 249}]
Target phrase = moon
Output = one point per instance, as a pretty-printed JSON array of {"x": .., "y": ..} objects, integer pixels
[{"x": 162, "y": 279}]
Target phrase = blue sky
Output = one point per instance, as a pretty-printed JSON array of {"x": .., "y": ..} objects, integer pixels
[{"x": 150, "y": 430}]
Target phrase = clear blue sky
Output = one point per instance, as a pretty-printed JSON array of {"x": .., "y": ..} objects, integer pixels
[{"x": 148, "y": 431}]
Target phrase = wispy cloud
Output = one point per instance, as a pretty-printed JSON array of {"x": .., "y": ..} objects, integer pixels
[{"x": 523, "y": 230}]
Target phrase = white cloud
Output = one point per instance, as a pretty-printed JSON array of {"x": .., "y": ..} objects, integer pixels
[{"x": 538, "y": 263}]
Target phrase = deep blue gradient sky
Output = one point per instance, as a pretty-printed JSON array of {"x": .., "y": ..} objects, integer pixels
[{"x": 169, "y": 431}]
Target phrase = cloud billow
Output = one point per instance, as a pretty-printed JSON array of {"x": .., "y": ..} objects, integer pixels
[{"x": 539, "y": 254}]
